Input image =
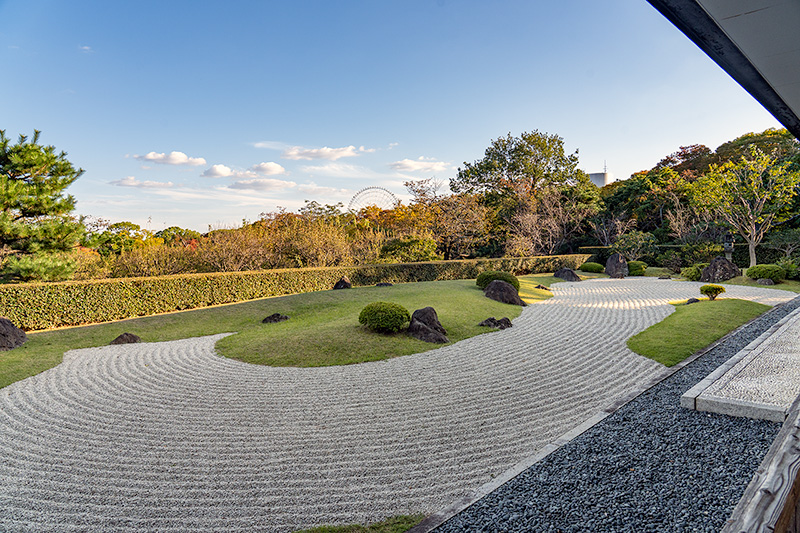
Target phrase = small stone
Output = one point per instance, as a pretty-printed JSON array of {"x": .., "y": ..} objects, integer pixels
[
  {"x": 503, "y": 292},
  {"x": 126, "y": 338},
  {"x": 765, "y": 281},
  {"x": 343, "y": 283},
  {"x": 542, "y": 287},
  {"x": 665, "y": 276},
  {"x": 567, "y": 274},
  {"x": 692, "y": 301},
  {"x": 617, "y": 266},
  {"x": 426, "y": 327},
  {"x": 275, "y": 317},
  {"x": 383, "y": 284},
  {"x": 492, "y": 322},
  {"x": 10, "y": 335}
]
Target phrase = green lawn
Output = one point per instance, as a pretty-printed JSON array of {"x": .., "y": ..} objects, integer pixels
[
  {"x": 395, "y": 524},
  {"x": 786, "y": 285},
  {"x": 323, "y": 329},
  {"x": 693, "y": 327}
]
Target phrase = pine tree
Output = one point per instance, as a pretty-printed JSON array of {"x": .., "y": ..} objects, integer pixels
[{"x": 35, "y": 223}]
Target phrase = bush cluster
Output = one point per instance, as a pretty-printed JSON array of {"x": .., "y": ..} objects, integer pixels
[
  {"x": 789, "y": 267},
  {"x": 712, "y": 291},
  {"x": 692, "y": 273},
  {"x": 37, "y": 306},
  {"x": 595, "y": 268},
  {"x": 773, "y": 272},
  {"x": 485, "y": 278},
  {"x": 384, "y": 317},
  {"x": 637, "y": 268}
]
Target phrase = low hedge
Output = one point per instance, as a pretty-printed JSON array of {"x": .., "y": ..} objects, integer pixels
[
  {"x": 773, "y": 272},
  {"x": 595, "y": 268},
  {"x": 36, "y": 306},
  {"x": 741, "y": 253},
  {"x": 637, "y": 268}
]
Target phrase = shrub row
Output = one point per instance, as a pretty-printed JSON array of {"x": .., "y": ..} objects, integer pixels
[
  {"x": 38, "y": 306},
  {"x": 741, "y": 257}
]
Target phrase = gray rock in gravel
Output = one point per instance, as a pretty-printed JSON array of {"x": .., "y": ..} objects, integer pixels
[
  {"x": 126, "y": 338},
  {"x": 343, "y": 283},
  {"x": 617, "y": 266},
  {"x": 567, "y": 274},
  {"x": 503, "y": 292},
  {"x": 720, "y": 269},
  {"x": 665, "y": 276},
  {"x": 275, "y": 317},
  {"x": 10, "y": 335},
  {"x": 426, "y": 327},
  {"x": 492, "y": 322},
  {"x": 765, "y": 281}
]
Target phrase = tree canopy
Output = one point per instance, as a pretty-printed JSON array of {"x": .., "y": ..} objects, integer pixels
[{"x": 34, "y": 211}]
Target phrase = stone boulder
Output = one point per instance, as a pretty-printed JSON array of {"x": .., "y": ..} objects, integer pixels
[
  {"x": 383, "y": 284},
  {"x": 426, "y": 327},
  {"x": 567, "y": 274},
  {"x": 617, "y": 266},
  {"x": 503, "y": 292},
  {"x": 343, "y": 283},
  {"x": 10, "y": 335},
  {"x": 692, "y": 301},
  {"x": 765, "y": 281},
  {"x": 720, "y": 269},
  {"x": 492, "y": 322},
  {"x": 542, "y": 287},
  {"x": 126, "y": 338},
  {"x": 274, "y": 318}
]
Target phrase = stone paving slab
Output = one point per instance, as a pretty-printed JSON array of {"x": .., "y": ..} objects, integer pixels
[{"x": 761, "y": 381}]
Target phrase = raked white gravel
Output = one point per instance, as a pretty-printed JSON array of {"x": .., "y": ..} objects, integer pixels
[{"x": 172, "y": 437}]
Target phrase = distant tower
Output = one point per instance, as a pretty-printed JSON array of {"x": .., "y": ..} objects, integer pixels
[{"x": 603, "y": 178}]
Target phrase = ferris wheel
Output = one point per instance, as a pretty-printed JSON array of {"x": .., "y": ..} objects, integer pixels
[{"x": 372, "y": 196}]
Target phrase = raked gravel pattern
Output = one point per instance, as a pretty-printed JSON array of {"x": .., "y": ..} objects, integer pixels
[{"x": 171, "y": 437}]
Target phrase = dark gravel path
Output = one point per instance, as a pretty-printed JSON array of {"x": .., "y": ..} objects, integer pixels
[{"x": 650, "y": 466}]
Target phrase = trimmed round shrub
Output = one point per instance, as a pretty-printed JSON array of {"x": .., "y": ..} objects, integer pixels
[
  {"x": 636, "y": 268},
  {"x": 712, "y": 291},
  {"x": 773, "y": 272},
  {"x": 485, "y": 278},
  {"x": 691, "y": 273},
  {"x": 384, "y": 317},
  {"x": 596, "y": 268}
]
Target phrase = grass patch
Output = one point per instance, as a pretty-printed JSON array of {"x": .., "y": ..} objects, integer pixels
[
  {"x": 395, "y": 524},
  {"x": 323, "y": 328},
  {"x": 693, "y": 327},
  {"x": 786, "y": 285},
  {"x": 654, "y": 272}
]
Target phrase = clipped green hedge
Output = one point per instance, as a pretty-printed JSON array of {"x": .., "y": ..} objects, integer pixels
[
  {"x": 384, "y": 317},
  {"x": 595, "y": 268},
  {"x": 637, "y": 268},
  {"x": 36, "y": 306}
]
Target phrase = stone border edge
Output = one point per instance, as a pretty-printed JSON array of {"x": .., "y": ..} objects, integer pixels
[{"x": 432, "y": 521}]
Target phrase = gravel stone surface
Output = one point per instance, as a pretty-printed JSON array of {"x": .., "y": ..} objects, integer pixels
[
  {"x": 650, "y": 466},
  {"x": 171, "y": 437}
]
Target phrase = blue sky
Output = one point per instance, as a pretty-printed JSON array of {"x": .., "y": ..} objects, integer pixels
[{"x": 201, "y": 114}]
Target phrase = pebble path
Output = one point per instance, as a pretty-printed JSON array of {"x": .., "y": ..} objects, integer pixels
[{"x": 171, "y": 437}]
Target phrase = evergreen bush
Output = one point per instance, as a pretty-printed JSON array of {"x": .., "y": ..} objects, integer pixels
[
  {"x": 485, "y": 278},
  {"x": 595, "y": 268},
  {"x": 692, "y": 273},
  {"x": 773, "y": 272},
  {"x": 384, "y": 317},
  {"x": 712, "y": 291},
  {"x": 637, "y": 268}
]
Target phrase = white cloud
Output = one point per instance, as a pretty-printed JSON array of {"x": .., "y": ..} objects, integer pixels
[
  {"x": 341, "y": 170},
  {"x": 261, "y": 169},
  {"x": 419, "y": 165},
  {"x": 172, "y": 158},
  {"x": 272, "y": 145},
  {"x": 218, "y": 171},
  {"x": 331, "y": 154},
  {"x": 131, "y": 181},
  {"x": 85, "y": 49},
  {"x": 268, "y": 169},
  {"x": 262, "y": 184}
]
